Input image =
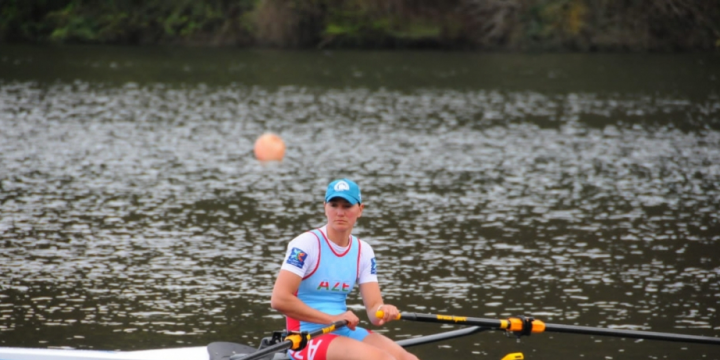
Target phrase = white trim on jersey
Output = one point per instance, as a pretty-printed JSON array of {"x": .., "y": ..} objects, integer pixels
[{"x": 308, "y": 243}]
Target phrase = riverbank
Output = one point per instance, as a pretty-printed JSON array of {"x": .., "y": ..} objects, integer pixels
[
  {"x": 508, "y": 25},
  {"x": 692, "y": 75}
]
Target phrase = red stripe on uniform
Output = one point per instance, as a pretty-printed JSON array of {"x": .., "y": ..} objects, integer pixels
[
  {"x": 331, "y": 247},
  {"x": 290, "y": 323},
  {"x": 317, "y": 263},
  {"x": 357, "y": 276},
  {"x": 316, "y": 348}
]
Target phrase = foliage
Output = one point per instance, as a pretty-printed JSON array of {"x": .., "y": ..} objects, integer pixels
[
  {"x": 24, "y": 19},
  {"x": 127, "y": 21},
  {"x": 391, "y": 23},
  {"x": 486, "y": 24}
]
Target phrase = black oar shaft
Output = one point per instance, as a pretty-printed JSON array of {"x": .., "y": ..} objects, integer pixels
[
  {"x": 632, "y": 334},
  {"x": 454, "y": 334},
  {"x": 288, "y": 344},
  {"x": 446, "y": 319},
  {"x": 538, "y": 326}
]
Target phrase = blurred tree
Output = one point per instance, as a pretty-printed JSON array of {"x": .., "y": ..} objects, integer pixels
[
  {"x": 585, "y": 25},
  {"x": 24, "y": 20}
]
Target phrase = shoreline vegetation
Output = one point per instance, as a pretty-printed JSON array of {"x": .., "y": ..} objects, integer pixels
[{"x": 496, "y": 25}]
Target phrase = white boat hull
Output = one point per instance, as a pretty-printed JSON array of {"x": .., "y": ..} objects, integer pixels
[
  {"x": 186, "y": 353},
  {"x": 213, "y": 351}
]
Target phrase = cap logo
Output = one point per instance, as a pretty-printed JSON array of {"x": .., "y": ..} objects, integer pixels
[{"x": 342, "y": 186}]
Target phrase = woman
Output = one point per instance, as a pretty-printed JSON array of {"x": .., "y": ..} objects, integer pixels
[{"x": 320, "y": 269}]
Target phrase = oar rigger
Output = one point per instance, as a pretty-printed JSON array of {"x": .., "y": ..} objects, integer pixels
[
  {"x": 299, "y": 339},
  {"x": 293, "y": 340}
]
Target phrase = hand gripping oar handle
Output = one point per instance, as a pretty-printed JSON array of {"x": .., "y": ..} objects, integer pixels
[
  {"x": 525, "y": 326},
  {"x": 293, "y": 341}
]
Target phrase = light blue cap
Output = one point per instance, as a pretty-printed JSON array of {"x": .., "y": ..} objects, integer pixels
[{"x": 344, "y": 188}]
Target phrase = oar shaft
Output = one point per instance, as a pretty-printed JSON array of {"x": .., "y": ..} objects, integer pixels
[
  {"x": 445, "y": 319},
  {"x": 538, "y": 327},
  {"x": 633, "y": 334},
  {"x": 454, "y": 334},
  {"x": 512, "y": 324},
  {"x": 290, "y": 342}
]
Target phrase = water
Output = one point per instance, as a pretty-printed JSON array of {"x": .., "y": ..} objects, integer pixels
[{"x": 580, "y": 189}]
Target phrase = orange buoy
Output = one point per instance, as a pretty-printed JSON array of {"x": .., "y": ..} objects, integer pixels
[{"x": 269, "y": 147}]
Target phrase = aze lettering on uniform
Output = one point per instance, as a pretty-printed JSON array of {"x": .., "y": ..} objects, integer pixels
[
  {"x": 312, "y": 350},
  {"x": 373, "y": 267},
  {"x": 333, "y": 286}
]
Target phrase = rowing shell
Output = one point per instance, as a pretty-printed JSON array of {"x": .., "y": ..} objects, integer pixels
[
  {"x": 232, "y": 351},
  {"x": 214, "y": 351}
]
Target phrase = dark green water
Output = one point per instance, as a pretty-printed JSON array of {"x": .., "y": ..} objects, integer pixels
[{"x": 580, "y": 189}]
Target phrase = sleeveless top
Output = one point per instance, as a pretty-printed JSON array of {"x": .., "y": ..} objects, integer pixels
[{"x": 326, "y": 288}]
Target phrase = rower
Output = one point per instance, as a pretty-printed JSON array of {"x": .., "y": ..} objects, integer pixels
[{"x": 320, "y": 269}]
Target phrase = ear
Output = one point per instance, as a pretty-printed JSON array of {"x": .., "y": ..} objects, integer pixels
[{"x": 362, "y": 207}]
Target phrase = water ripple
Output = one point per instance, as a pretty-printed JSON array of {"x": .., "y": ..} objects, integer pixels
[{"x": 140, "y": 209}]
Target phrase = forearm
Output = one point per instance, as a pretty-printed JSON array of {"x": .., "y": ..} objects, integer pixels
[
  {"x": 372, "y": 299},
  {"x": 371, "y": 310},
  {"x": 293, "y": 307}
]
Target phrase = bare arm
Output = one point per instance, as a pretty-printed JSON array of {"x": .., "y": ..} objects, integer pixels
[
  {"x": 372, "y": 298},
  {"x": 284, "y": 300}
]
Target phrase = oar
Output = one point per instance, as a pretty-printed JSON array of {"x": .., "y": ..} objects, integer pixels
[
  {"x": 454, "y": 334},
  {"x": 292, "y": 341},
  {"x": 525, "y": 326}
]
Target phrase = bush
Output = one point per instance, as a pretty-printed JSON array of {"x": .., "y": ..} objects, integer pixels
[{"x": 585, "y": 25}]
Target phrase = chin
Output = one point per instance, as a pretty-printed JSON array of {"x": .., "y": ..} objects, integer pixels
[{"x": 342, "y": 226}]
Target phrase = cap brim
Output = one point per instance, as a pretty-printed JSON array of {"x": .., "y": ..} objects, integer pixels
[{"x": 349, "y": 198}]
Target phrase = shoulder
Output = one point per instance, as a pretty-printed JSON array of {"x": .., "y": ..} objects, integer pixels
[
  {"x": 305, "y": 241},
  {"x": 365, "y": 246},
  {"x": 367, "y": 254},
  {"x": 367, "y": 271},
  {"x": 301, "y": 255}
]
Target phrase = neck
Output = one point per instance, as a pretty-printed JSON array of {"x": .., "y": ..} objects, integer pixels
[{"x": 340, "y": 238}]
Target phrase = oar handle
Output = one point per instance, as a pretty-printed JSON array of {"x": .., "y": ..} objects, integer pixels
[{"x": 381, "y": 314}]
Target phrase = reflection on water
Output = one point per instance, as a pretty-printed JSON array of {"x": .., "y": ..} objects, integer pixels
[{"x": 134, "y": 216}]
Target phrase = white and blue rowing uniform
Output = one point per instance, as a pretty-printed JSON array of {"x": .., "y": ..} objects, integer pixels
[{"x": 329, "y": 273}]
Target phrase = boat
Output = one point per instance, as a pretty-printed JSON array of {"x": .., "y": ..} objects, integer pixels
[
  {"x": 213, "y": 351},
  {"x": 275, "y": 347}
]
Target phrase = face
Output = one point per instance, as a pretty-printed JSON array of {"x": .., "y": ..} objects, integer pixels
[{"x": 342, "y": 215}]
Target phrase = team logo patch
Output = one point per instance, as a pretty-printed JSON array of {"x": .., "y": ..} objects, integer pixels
[
  {"x": 373, "y": 266},
  {"x": 342, "y": 186},
  {"x": 297, "y": 257}
]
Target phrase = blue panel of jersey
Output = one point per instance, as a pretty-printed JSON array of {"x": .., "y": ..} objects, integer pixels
[{"x": 327, "y": 288}]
